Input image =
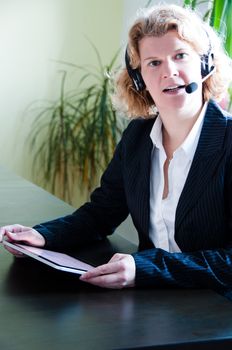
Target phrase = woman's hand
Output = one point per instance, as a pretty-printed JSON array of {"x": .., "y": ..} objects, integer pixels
[
  {"x": 21, "y": 234},
  {"x": 118, "y": 273}
]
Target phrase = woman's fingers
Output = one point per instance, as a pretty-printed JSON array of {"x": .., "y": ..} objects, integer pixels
[
  {"x": 119, "y": 272},
  {"x": 21, "y": 234},
  {"x": 28, "y": 236}
]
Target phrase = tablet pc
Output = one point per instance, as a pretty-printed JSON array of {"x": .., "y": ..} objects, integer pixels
[{"x": 56, "y": 260}]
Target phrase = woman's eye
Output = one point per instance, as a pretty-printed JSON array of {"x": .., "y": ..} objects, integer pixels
[
  {"x": 181, "y": 55},
  {"x": 154, "y": 63}
]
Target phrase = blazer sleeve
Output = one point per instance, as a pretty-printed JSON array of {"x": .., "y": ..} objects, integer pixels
[
  {"x": 200, "y": 269},
  {"x": 95, "y": 219}
]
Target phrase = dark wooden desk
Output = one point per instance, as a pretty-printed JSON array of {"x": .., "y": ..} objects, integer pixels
[
  {"x": 41, "y": 308},
  {"x": 23, "y": 202}
]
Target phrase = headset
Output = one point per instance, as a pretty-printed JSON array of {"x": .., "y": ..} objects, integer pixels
[
  {"x": 134, "y": 74},
  {"x": 207, "y": 68}
]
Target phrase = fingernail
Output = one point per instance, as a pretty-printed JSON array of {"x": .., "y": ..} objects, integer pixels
[{"x": 83, "y": 277}]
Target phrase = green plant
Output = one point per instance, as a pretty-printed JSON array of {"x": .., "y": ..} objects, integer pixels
[
  {"x": 219, "y": 16},
  {"x": 74, "y": 137}
]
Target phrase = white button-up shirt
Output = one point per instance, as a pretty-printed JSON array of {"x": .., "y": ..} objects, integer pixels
[{"x": 163, "y": 211}]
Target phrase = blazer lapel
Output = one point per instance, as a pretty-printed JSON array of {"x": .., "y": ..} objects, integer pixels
[
  {"x": 145, "y": 183},
  {"x": 205, "y": 161},
  {"x": 138, "y": 174}
]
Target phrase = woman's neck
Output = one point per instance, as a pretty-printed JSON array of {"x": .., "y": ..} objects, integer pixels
[{"x": 176, "y": 128}]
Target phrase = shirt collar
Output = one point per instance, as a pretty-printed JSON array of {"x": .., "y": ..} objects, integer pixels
[{"x": 156, "y": 133}]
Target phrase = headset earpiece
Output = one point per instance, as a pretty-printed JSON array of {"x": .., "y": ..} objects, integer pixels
[
  {"x": 207, "y": 60},
  {"x": 207, "y": 64},
  {"x": 134, "y": 74}
]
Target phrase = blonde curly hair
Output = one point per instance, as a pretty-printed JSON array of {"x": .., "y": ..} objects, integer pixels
[{"x": 157, "y": 21}]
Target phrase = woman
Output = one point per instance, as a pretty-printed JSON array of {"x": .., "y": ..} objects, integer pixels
[{"x": 172, "y": 169}]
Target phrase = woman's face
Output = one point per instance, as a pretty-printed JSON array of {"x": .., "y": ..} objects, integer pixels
[{"x": 168, "y": 64}]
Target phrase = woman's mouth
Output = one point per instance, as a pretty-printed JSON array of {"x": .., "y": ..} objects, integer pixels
[{"x": 173, "y": 89}]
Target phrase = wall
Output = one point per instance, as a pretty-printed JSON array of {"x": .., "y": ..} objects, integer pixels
[{"x": 34, "y": 34}]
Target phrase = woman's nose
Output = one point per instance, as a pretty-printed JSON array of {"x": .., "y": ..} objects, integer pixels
[{"x": 169, "y": 69}]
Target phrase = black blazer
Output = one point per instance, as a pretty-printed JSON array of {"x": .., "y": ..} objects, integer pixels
[{"x": 203, "y": 225}]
